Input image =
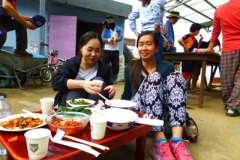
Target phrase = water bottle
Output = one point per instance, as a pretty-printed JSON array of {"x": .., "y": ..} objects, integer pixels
[{"x": 5, "y": 110}]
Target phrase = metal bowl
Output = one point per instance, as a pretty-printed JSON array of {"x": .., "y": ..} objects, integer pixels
[{"x": 81, "y": 119}]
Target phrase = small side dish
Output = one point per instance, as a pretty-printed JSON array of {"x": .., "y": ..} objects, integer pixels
[{"x": 78, "y": 102}]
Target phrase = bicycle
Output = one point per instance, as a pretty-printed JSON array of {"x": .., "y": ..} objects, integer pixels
[{"x": 47, "y": 72}]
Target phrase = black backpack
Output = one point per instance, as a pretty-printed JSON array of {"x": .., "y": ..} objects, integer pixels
[{"x": 190, "y": 131}]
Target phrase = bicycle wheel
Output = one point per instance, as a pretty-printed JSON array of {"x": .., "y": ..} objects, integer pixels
[
  {"x": 46, "y": 74},
  {"x": 5, "y": 81}
]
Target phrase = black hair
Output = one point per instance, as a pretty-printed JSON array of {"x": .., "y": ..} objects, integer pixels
[
  {"x": 135, "y": 66},
  {"x": 112, "y": 26},
  {"x": 154, "y": 35},
  {"x": 145, "y": 3},
  {"x": 195, "y": 26},
  {"x": 87, "y": 37},
  {"x": 217, "y": 43}
]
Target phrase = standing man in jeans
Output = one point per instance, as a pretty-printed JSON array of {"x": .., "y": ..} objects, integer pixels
[
  {"x": 19, "y": 23},
  {"x": 111, "y": 35},
  {"x": 11, "y": 20},
  {"x": 226, "y": 20}
]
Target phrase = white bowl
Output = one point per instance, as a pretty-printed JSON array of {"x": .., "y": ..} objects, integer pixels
[
  {"x": 119, "y": 103},
  {"x": 91, "y": 102},
  {"x": 119, "y": 119}
]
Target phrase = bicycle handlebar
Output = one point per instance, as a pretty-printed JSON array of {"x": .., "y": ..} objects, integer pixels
[{"x": 44, "y": 44}]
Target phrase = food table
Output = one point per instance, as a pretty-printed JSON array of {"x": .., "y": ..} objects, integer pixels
[
  {"x": 113, "y": 139},
  {"x": 212, "y": 59}
]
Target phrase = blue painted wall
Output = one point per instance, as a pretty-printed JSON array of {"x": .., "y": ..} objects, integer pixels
[{"x": 31, "y": 8}]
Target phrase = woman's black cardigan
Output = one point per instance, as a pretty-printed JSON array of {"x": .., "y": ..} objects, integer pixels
[{"x": 69, "y": 70}]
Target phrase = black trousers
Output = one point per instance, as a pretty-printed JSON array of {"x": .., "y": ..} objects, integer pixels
[
  {"x": 21, "y": 33},
  {"x": 113, "y": 57}
]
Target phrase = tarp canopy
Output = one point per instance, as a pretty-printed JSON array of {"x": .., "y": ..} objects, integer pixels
[{"x": 195, "y": 11}]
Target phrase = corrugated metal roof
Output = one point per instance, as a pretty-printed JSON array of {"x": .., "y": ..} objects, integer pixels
[{"x": 198, "y": 11}]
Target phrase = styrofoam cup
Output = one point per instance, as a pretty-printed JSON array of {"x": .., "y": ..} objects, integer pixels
[
  {"x": 47, "y": 105},
  {"x": 99, "y": 82},
  {"x": 37, "y": 142},
  {"x": 98, "y": 125}
]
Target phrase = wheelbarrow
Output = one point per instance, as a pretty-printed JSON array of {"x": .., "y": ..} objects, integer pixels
[{"x": 20, "y": 69}]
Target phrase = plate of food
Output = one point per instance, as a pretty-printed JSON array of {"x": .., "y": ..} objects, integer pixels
[
  {"x": 22, "y": 122},
  {"x": 120, "y": 103},
  {"x": 80, "y": 102}
]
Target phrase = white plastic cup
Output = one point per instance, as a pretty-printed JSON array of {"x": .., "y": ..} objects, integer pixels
[
  {"x": 98, "y": 125},
  {"x": 99, "y": 82},
  {"x": 37, "y": 142},
  {"x": 47, "y": 105}
]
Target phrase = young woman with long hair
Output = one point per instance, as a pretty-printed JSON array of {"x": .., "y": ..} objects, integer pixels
[
  {"x": 76, "y": 75},
  {"x": 160, "y": 92}
]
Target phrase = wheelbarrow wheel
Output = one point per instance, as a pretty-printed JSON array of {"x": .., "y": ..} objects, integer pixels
[
  {"x": 4, "y": 80},
  {"x": 45, "y": 74},
  {"x": 22, "y": 76}
]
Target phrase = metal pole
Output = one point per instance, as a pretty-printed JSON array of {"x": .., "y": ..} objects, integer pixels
[{"x": 42, "y": 12}]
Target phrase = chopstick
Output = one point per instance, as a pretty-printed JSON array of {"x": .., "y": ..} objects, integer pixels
[
  {"x": 88, "y": 143},
  {"x": 106, "y": 100},
  {"x": 102, "y": 96}
]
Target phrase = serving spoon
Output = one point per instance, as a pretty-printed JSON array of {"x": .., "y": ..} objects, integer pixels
[{"x": 107, "y": 100}]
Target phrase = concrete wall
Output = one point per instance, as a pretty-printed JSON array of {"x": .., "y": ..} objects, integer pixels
[{"x": 31, "y": 8}]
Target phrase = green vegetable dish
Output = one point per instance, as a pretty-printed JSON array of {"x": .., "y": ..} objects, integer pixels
[
  {"x": 78, "y": 102},
  {"x": 75, "y": 109}
]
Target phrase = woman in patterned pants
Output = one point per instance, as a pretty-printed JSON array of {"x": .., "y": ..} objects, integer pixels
[{"x": 160, "y": 92}]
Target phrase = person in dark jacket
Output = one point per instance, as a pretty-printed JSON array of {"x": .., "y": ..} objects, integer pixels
[{"x": 74, "y": 79}]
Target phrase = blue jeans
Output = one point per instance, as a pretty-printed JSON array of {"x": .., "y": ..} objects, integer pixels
[
  {"x": 158, "y": 55},
  {"x": 20, "y": 30}
]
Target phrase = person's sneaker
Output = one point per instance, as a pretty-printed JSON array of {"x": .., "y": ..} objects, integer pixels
[
  {"x": 160, "y": 151},
  {"x": 22, "y": 53},
  {"x": 232, "y": 112},
  {"x": 226, "y": 108},
  {"x": 180, "y": 151}
]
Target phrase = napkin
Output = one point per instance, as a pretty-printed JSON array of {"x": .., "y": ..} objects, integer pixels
[
  {"x": 152, "y": 122},
  {"x": 58, "y": 139}
]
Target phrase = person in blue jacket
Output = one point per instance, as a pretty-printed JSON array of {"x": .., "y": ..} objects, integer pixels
[
  {"x": 111, "y": 35},
  {"x": 173, "y": 18}
]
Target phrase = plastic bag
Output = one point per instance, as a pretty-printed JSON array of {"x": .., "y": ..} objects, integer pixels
[
  {"x": 190, "y": 131},
  {"x": 120, "y": 76}
]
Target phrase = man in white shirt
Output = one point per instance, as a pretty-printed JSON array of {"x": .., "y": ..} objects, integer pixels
[{"x": 111, "y": 35}]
